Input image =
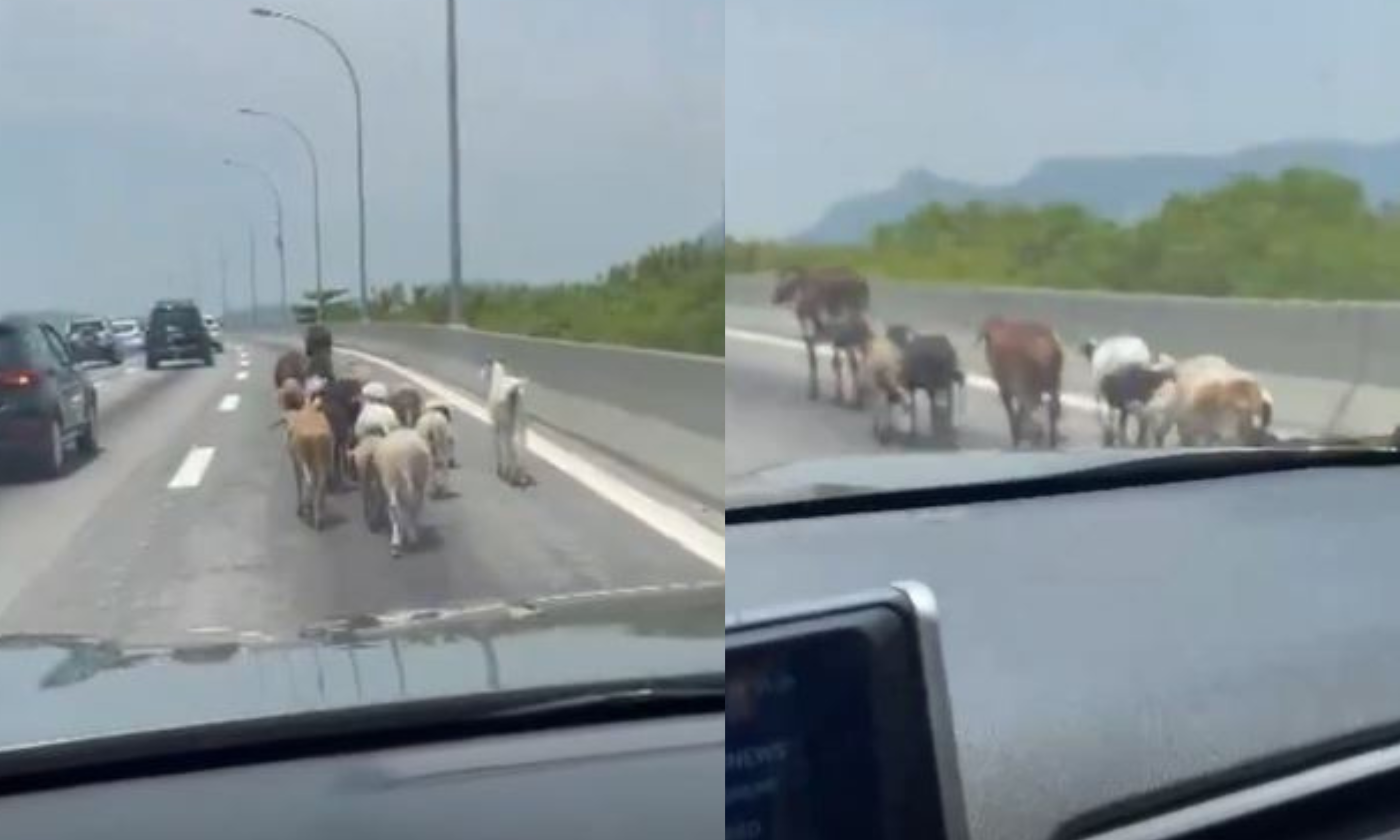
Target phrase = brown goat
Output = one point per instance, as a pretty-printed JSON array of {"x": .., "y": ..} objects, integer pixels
[
  {"x": 311, "y": 447},
  {"x": 1026, "y": 361},
  {"x": 290, "y": 365},
  {"x": 822, "y": 298},
  {"x": 407, "y": 404}
]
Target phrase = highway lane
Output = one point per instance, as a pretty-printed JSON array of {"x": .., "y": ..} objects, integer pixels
[
  {"x": 770, "y": 421},
  {"x": 114, "y": 550}
]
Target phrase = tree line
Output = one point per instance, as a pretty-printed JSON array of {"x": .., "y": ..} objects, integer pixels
[
  {"x": 1303, "y": 233},
  {"x": 670, "y": 298}
]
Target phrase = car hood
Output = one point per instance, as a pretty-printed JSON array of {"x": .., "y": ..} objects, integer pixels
[
  {"x": 59, "y": 688},
  {"x": 820, "y": 478}
]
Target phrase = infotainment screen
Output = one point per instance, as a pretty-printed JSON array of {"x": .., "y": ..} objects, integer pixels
[{"x": 835, "y": 727}]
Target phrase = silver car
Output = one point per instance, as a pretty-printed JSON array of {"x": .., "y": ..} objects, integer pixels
[{"x": 129, "y": 334}]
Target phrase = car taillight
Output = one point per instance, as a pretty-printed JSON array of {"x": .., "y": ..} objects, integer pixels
[{"x": 19, "y": 378}]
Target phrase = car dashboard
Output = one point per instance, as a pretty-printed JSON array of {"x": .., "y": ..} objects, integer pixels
[
  {"x": 1208, "y": 658},
  {"x": 650, "y": 778}
]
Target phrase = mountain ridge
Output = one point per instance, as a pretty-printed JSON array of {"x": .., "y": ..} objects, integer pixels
[{"x": 1121, "y": 187}]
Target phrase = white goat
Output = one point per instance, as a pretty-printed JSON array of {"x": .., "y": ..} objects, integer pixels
[
  {"x": 376, "y": 417},
  {"x": 1213, "y": 402},
  {"x": 435, "y": 425},
  {"x": 1106, "y": 357},
  {"x": 505, "y": 401},
  {"x": 398, "y": 469}
]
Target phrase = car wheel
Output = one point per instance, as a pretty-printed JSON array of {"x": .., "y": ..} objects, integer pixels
[
  {"x": 87, "y": 441},
  {"x": 51, "y": 460},
  {"x": 152, "y": 362},
  {"x": 208, "y": 359}
]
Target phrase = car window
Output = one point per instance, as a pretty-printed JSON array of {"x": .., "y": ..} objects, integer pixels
[
  {"x": 57, "y": 347},
  {"x": 78, "y": 326},
  {"x": 183, "y": 318}
]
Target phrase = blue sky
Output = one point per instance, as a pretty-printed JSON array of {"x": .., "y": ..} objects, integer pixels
[
  {"x": 590, "y": 131},
  {"x": 825, "y": 98}
]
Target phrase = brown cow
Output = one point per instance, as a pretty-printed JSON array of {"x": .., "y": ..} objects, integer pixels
[
  {"x": 824, "y": 299},
  {"x": 1026, "y": 360}
]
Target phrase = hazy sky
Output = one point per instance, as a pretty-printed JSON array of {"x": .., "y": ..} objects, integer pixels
[
  {"x": 825, "y": 98},
  {"x": 590, "y": 131}
]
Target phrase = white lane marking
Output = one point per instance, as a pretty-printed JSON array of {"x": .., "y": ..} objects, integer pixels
[
  {"x": 241, "y": 375},
  {"x": 229, "y": 402},
  {"x": 243, "y": 362},
  {"x": 1082, "y": 402},
  {"x": 667, "y": 521},
  {"x": 211, "y": 628},
  {"x": 130, "y": 370},
  {"x": 192, "y": 469}
]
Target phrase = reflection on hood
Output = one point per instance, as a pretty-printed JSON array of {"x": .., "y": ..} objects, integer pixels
[{"x": 65, "y": 686}]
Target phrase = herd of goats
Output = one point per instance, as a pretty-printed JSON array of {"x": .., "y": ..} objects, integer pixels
[
  {"x": 1205, "y": 399},
  {"x": 398, "y": 447}
]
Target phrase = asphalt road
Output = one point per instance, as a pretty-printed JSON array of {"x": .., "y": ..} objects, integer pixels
[
  {"x": 770, "y": 421},
  {"x": 184, "y": 525}
]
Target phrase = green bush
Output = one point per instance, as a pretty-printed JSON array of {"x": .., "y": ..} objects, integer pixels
[
  {"x": 671, "y": 298},
  {"x": 1305, "y": 233}
]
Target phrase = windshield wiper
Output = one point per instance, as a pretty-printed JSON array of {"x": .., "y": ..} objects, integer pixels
[{"x": 1151, "y": 469}]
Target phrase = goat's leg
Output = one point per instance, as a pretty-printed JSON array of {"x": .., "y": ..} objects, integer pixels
[
  {"x": 395, "y": 524},
  {"x": 812, "y": 390},
  {"x": 1011, "y": 410},
  {"x": 1054, "y": 418},
  {"x": 318, "y": 500},
  {"x": 840, "y": 385}
]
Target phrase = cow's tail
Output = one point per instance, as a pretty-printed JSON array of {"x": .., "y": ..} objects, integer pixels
[{"x": 960, "y": 393}]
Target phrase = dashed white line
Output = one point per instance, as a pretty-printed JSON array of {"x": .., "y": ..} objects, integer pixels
[
  {"x": 230, "y": 402},
  {"x": 192, "y": 469},
  {"x": 241, "y": 375},
  {"x": 243, "y": 362},
  {"x": 664, "y": 519}
]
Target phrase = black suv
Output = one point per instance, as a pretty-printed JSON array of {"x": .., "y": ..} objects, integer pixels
[
  {"x": 176, "y": 331},
  {"x": 46, "y": 403}
]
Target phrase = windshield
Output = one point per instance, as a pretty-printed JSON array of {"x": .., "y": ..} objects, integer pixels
[
  {"x": 521, "y": 251},
  {"x": 85, "y": 326},
  {"x": 1019, "y": 228}
]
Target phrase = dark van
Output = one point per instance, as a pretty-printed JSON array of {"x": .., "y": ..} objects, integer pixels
[{"x": 176, "y": 331}]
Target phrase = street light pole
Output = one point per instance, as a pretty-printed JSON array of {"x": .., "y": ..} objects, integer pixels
[
  {"x": 223, "y": 281},
  {"x": 359, "y": 138},
  {"x": 252, "y": 276},
  {"x": 315, "y": 197},
  {"x": 277, "y": 201},
  {"x": 454, "y": 232}
]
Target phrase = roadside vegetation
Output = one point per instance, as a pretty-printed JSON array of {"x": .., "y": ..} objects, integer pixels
[
  {"x": 1303, "y": 234},
  {"x": 671, "y": 298}
]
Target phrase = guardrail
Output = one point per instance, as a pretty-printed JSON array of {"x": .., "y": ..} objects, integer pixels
[
  {"x": 1344, "y": 350},
  {"x": 661, "y": 411}
]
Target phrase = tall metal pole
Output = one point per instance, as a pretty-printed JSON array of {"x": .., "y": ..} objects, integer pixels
[
  {"x": 359, "y": 140},
  {"x": 253, "y": 276},
  {"x": 223, "y": 281},
  {"x": 454, "y": 160},
  {"x": 315, "y": 197},
  {"x": 277, "y": 202}
]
